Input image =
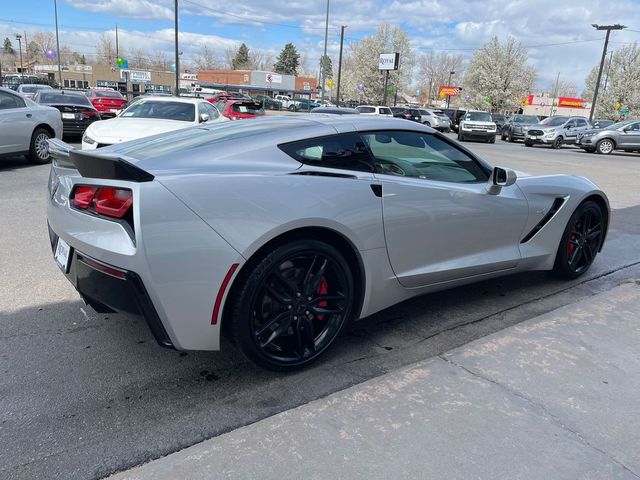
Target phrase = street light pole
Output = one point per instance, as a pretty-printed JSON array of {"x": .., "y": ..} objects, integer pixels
[
  {"x": 55, "y": 8},
  {"x": 177, "y": 62},
  {"x": 340, "y": 65},
  {"x": 324, "y": 57},
  {"x": 608, "y": 29},
  {"x": 448, "y": 85},
  {"x": 19, "y": 38}
]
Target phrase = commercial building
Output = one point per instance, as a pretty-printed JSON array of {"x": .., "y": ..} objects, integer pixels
[
  {"x": 545, "y": 104},
  {"x": 258, "y": 82}
]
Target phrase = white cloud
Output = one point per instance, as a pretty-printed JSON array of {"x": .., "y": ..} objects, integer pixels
[{"x": 137, "y": 9}]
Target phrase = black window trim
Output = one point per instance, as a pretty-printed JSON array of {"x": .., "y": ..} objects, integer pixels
[{"x": 485, "y": 167}]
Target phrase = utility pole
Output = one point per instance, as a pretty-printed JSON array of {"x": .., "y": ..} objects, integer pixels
[
  {"x": 608, "y": 29},
  {"x": 340, "y": 65},
  {"x": 448, "y": 85},
  {"x": 177, "y": 62},
  {"x": 55, "y": 8},
  {"x": 323, "y": 70},
  {"x": 555, "y": 94},
  {"x": 19, "y": 38},
  {"x": 117, "y": 49},
  {"x": 386, "y": 82},
  {"x": 606, "y": 79}
]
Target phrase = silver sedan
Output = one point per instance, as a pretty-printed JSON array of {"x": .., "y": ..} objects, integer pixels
[
  {"x": 26, "y": 126},
  {"x": 283, "y": 230}
]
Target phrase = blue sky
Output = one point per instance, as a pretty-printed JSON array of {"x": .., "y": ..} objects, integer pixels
[{"x": 457, "y": 26}]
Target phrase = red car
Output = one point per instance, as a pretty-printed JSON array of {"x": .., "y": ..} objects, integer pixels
[
  {"x": 239, "y": 109},
  {"x": 225, "y": 97},
  {"x": 107, "y": 101}
]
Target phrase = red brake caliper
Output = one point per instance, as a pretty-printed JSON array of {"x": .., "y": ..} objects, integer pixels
[
  {"x": 571, "y": 246},
  {"x": 323, "y": 289}
]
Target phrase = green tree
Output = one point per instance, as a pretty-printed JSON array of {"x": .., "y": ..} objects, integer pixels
[
  {"x": 288, "y": 61},
  {"x": 8, "y": 48},
  {"x": 241, "y": 61},
  {"x": 327, "y": 66}
]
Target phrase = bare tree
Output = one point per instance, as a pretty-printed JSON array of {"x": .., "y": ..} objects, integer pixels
[
  {"x": 139, "y": 58},
  {"x": 107, "y": 50},
  {"x": 564, "y": 88},
  {"x": 206, "y": 59},
  {"x": 434, "y": 70},
  {"x": 159, "y": 61}
]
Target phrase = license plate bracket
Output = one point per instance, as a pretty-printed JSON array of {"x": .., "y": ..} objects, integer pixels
[{"x": 62, "y": 255}]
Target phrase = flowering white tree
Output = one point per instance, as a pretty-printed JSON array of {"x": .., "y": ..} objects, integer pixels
[
  {"x": 361, "y": 64},
  {"x": 623, "y": 88},
  {"x": 498, "y": 76}
]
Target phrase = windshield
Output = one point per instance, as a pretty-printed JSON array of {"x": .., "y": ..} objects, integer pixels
[
  {"x": 183, "y": 112},
  {"x": 554, "y": 121},
  {"x": 34, "y": 88},
  {"x": 479, "y": 116},
  {"x": 618, "y": 125},
  {"x": 440, "y": 113},
  {"x": 108, "y": 94},
  {"x": 66, "y": 98},
  {"x": 525, "y": 119}
]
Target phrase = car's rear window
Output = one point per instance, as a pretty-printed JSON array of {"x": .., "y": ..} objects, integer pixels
[
  {"x": 108, "y": 94},
  {"x": 63, "y": 98},
  {"x": 248, "y": 108},
  {"x": 366, "y": 109},
  {"x": 385, "y": 111},
  {"x": 180, "y": 111}
]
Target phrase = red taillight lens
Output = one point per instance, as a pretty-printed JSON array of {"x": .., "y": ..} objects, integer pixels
[
  {"x": 113, "y": 202},
  {"x": 90, "y": 113},
  {"x": 108, "y": 201},
  {"x": 82, "y": 196}
]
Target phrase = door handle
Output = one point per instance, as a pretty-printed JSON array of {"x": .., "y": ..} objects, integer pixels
[{"x": 29, "y": 115}]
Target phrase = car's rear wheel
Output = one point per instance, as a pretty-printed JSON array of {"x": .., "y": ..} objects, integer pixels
[
  {"x": 581, "y": 241},
  {"x": 292, "y": 305},
  {"x": 605, "y": 146},
  {"x": 527, "y": 143},
  {"x": 39, "y": 149}
]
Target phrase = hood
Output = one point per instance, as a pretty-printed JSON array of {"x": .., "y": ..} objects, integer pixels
[
  {"x": 121, "y": 129},
  {"x": 541, "y": 126}
]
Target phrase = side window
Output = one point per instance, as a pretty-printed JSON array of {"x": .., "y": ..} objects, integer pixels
[
  {"x": 8, "y": 101},
  {"x": 581, "y": 122},
  {"x": 206, "y": 107},
  {"x": 346, "y": 151},
  {"x": 421, "y": 155},
  {"x": 572, "y": 124},
  {"x": 634, "y": 127}
]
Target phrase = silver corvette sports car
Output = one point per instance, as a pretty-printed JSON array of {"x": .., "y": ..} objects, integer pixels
[{"x": 282, "y": 230}]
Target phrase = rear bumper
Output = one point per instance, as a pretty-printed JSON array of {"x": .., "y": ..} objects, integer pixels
[{"x": 108, "y": 288}]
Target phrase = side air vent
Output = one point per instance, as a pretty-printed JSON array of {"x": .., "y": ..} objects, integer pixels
[{"x": 557, "y": 203}]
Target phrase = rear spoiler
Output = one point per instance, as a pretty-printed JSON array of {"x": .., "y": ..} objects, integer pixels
[{"x": 96, "y": 164}]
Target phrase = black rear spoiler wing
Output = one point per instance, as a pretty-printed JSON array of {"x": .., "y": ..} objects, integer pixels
[{"x": 96, "y": 164}]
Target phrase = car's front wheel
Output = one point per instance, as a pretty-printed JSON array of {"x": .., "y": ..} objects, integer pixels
[
  {"x": 557, "y": 143},
  {"x": 581, "y": 241},
  {"x": 39, "y": 149},
  {"x": 605, "y": 146},
  {"x": 292, "y": 305}
]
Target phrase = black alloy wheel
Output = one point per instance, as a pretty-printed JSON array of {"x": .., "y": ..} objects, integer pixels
[
  {"x": 557, "y": 143},
  {"x": 293, "y": 305},
  {"x": 581, "y": 241}
]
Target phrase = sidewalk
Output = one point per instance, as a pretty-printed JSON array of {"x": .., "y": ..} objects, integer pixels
[{"x": 555, "y": 397}]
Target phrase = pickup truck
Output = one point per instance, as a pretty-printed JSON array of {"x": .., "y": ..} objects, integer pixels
[{"x": 287, "y": 102}]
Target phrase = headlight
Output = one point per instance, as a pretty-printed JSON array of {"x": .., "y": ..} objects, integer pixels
[
  {"x": 87, "y": 139},
  {"x": 549, "y": 130},
  {"x": 524, "y": 129}
]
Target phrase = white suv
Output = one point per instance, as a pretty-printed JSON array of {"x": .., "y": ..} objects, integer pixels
[
  {"x": 477, "y": 125},
  {"x": 375, "y": 110}
]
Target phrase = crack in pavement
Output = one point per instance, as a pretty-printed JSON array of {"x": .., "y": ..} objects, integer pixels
[{"x": 539, "y": 407}]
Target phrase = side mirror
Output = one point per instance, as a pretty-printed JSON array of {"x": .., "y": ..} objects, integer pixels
[
  {"x": 501, "y": 177},
  {"x": 204, "y": 117}
]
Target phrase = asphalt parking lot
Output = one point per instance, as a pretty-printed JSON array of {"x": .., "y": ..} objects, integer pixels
[{"x": 83, "y": 395}]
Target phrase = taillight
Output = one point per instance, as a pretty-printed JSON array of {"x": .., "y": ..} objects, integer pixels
[
  {"x": 107, "y": 201},
  {"x": 82, "y": 196},
  {"x": 90, "y": 113},
  {"x": 113, "y": 202}
]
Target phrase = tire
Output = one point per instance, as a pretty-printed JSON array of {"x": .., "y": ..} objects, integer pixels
[
  {"x": 492, "y": 140},
  {"x": 276, "y": 321},
  {"x": 510, "y": 138},
  {"x": 503, "y": 137},
  {"x": 580, "y": 242},
  {"x": 528, "y": 144},
  {"x": 292, "y": 108},
  {"x": 427, "y": 124},
  {"x": 557, "y": 143},
  {"x": 38, "y": 149},
  {"x": 590, "y": 150},
  {"x": 605, "y": 146}
]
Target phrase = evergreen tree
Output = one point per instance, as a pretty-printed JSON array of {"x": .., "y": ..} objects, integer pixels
[
  {"x": 288, "y": 61},
  {"x": 328, "y": 67},
  {"x": 241, "y": 60},
  {"x": 8, "y": 48}
]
